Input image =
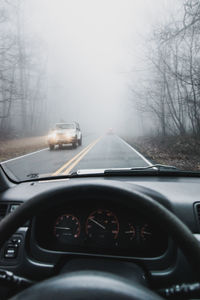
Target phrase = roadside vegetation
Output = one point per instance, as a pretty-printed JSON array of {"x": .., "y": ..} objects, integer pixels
[
  {"x": 20, "y": 146},
  {"x": 178, "y": 151}
]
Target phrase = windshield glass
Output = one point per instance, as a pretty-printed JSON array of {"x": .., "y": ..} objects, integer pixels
[
  {"x": 65, "y": 126},
  {"x": 125, "y": 75}
]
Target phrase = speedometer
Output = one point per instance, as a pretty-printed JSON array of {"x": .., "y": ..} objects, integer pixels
[{"x": 102, "y": 225}]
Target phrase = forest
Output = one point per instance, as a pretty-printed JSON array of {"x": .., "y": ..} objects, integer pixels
[
  {"x": 170, "y": 91},
  {"x": 22, "y": 76}
]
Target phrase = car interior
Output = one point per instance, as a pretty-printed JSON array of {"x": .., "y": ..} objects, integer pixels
[
  {"x": 99, "y": 149},
  {"x": 100, "y": 237}
]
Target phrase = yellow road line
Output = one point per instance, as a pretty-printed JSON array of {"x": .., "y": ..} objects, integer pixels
[
  {"x": 71, "y": 160},
  {"x": 80, "y": 157}
]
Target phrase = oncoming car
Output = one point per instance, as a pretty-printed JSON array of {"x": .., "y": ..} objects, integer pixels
[
  {"x": 110, "y": 131},
  {"x": 65, "y": 133}
]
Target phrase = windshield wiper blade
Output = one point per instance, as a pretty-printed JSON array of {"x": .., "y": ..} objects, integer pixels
[
  {"x": 157, "y": 166},
  {"x": 156, "y": 169}
]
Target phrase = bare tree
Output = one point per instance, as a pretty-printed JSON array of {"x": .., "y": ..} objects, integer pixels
[
  {"x": 172, "y": 92},
  {"x": 22, "y": 74}
]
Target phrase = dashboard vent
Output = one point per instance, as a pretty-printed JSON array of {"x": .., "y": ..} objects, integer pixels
[
  {"x": 6, "y": 208},
  {"x": 9, "y": 207},
  {"x": 197, "y": 210},
  {"x": 3, "y": 210}
]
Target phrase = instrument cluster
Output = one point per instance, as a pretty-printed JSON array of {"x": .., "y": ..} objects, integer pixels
[{"x": 100, "y": 230}]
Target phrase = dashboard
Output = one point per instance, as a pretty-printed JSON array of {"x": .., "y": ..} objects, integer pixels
[
  {"x": 100, "y": 227},
  {"x": 65, "y": 229}
]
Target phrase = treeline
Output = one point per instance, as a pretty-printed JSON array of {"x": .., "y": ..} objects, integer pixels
[
  {"x": 22, "y": 75},
  {"x": 171, "y": 91}
]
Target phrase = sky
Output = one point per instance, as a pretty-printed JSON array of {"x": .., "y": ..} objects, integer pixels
[{"x": 91, "y": 49}]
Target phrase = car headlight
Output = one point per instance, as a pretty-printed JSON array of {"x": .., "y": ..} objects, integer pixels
[{"x": 52, "y": 135}]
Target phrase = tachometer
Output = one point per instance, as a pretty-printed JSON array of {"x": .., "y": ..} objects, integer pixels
[
  {"x": 102, "y": 225},
  {"x": 67, "y": 228}
]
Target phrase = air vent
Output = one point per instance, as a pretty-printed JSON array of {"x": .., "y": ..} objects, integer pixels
[
  {"x": 197, "y": 211},
  {"x": 3, "y": 210}
]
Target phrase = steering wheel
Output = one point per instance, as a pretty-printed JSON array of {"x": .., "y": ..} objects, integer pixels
[{"x": 97, "y": 284}]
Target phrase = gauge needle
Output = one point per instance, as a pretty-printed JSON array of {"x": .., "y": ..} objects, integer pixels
[
  {"x": 65, "y": 228},
  {"x": 97, "y": 223},
  {"x": 146, "y": 232}
]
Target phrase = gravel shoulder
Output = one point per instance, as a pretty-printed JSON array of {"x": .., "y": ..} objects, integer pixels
[{"x": 20, "y": 146}]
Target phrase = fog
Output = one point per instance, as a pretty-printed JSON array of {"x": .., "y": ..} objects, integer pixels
[
  {"x": 91, "y": 52},
  {"x": 92, "y": 48}
]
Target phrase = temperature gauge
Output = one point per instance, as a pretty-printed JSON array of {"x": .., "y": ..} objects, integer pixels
[
  {"x": 146, "y": 232},
  {"x": 129, "y": 232}
]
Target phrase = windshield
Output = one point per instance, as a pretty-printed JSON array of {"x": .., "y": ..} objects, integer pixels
[
  {"x": 65, "y": 126},
  {"x": 125, "y": 75}
]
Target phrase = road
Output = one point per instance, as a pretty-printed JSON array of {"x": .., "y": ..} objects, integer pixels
[{"x": 108, "y": 151}]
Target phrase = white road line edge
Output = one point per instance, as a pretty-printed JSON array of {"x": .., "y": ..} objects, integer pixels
[
  {"x": 138, "y": 153},
  {"x": 22, "y": 156},
  {"x": 31, "y": 153}
]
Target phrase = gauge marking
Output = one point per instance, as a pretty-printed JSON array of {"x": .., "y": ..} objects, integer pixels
[
  {"x": 146, "y": 232},
  {"x": 130, "y": 231}
]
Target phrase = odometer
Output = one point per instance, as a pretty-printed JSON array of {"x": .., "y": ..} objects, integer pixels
[{"x": 102, "y": 225}]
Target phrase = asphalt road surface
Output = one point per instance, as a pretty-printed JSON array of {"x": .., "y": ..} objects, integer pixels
[{"x": 108, "y": 151}]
